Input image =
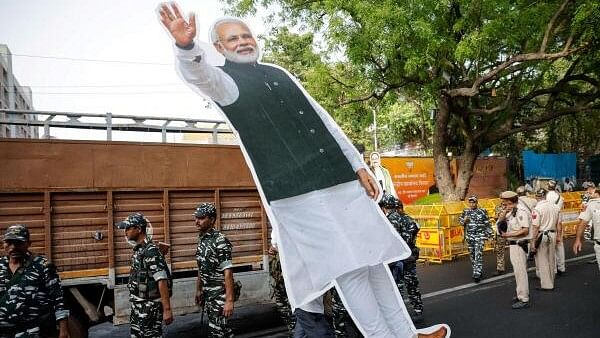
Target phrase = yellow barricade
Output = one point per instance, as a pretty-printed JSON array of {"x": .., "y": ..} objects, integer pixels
[{"x": 441, "y": 237}]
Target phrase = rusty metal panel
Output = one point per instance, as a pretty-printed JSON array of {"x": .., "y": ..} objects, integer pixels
[
  {"x": 489, "y": 177},
  {"x": 241, "y": 220},
  {"x": 76, "y": 218},
  {"x": 49, "y": 164},
  {"x": 27, "y": 209},
  {"x": 150, "y": 203},
  {"x": 184, "y": 235}
]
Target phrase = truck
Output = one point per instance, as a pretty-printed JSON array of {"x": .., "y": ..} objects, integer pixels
[{"x": 70, "y": 194}]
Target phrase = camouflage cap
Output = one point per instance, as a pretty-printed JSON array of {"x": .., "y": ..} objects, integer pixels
[
  {"x": 389, "y": 201},
  {"x": 205, "y": 209},
  {"x": 472, "y": 198},
  {"x": 541, "y": 192},
  {"x": 508, "y": 194},
  {"x": 17, "y": 232},
  {"x": 134, "y": 220}
]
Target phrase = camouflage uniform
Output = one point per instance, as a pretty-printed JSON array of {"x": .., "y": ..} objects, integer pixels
[
  {"x": 148, "y": 266},
  {"x": 408, "y": 230},
  {"x": 37, "y": 294},
  {"x": 214, "y": 256},
  {"x": 280, "y": 294},
  {"x": 343, "y": 325},
  {"x": 477, "y": 230},
  {"x": 499, "y": 247}
]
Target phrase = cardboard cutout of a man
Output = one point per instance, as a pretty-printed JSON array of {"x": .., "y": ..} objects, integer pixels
[
  {"x": 382, "y": 175},
  {"x": 311, "y": 179}
]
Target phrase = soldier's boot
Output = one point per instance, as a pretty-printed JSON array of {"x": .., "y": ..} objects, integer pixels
[{"x": 439, "y": 333}]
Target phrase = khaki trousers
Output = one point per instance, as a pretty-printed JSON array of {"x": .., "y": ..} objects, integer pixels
[
  {"x": 545, "y": 261},
  {"x": 518, "y": 259}
]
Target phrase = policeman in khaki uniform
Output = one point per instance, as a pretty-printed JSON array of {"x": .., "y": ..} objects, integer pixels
[
  {"x": 31, "y": 298},
  {"x": 477, "y": 226},
  {"x": 546, "y": 226},
  {"x": 514, "y": 224},
  {"x": 553, "y": 195},
  {"x": 591, "y": 213},
  {"x": 214, "y": 287},
  {"x": 149, "y": 281}
]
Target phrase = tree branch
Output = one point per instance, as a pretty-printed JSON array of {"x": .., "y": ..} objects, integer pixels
[
  {"x": 551, "y": 25},
  {"x": 474, "y": 89}
]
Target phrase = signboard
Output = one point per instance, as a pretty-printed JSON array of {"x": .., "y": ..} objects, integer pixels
[{"x": 412, "y": 176}]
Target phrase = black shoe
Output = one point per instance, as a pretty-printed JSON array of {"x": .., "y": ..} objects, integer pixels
[
  {"x": 477, "y": 279},
  {"x": 560, "y": 273},
  {"x": 542, "y": 289},
  {"x": 520, "y": 305},
  {"x": 515, "y": 299},
  {"x": 499, "y": 272}
]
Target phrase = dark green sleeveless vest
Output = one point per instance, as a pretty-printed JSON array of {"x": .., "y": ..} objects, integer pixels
[{"x": 291, "y": 149}]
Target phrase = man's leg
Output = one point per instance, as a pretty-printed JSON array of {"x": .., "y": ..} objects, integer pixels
[
  {"x": 217, "y": 323},
  {"x": 279, "y": 293},
  {"x": 412, "y": 288},
  {"x": 597, "y": 249},
  {"x": 471, "y": 247},
  {"x": 560, "y": 258},
  {"x": 546, "y": 261},
  {"x": 358, "y": 296},
  {"x": 477, "y": 260},
  {"x": 146, "y": 320},
  {"x": 311, "y": 322},
  {"x": 518, "y": 259},
  {"x": 499, "y": 247}
]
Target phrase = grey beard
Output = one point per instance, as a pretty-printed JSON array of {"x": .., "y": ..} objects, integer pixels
[{"x": 237, "y": 58}]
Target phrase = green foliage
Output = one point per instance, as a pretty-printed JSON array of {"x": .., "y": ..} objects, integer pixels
[
  {"x": 429, "y": 199},
  {"x": 492, "y": 68}
]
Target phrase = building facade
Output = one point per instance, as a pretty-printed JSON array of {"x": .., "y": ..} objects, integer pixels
[{"x": 13, "y": 96}]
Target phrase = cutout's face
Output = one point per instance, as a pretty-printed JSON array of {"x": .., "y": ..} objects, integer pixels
[
  {"x": 375, "y": 160},
  {"x": 236, "y": 42}
]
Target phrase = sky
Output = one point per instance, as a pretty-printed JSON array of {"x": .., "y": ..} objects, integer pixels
[{"x": 140, "y": 78}]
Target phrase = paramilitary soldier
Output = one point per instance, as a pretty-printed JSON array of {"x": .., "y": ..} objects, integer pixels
[
  {"x": 31, "y": 298},
  {"x": 214, "y": 287},
  {"x": 278, "y": 286},
  {"x": 407, "y": 268},
  {"x": 477, "y": 226},
  {"x": 149, "y": 281}
]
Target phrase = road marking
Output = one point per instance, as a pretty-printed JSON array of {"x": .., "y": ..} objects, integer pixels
[{"x": 493, "y": 279}]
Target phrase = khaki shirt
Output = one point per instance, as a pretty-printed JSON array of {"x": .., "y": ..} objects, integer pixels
[
  {"x": 522, "y": 219},
  {"x": 529, "y": 201},
  {"x": 545, "y": 215},
  {"x": 592, "y": 213}
]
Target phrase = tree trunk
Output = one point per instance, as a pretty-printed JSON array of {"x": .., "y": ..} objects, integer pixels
[
  {"x": 466, "y": 163},
  {"x": 443, "y": 174}
]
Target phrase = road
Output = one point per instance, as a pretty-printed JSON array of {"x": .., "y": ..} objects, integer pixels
[{"x": 483, "y": 310}]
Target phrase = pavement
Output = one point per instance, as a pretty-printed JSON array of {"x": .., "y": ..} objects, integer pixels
[{"x": 450, "y": 296}]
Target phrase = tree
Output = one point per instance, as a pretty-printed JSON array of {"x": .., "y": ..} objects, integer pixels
[{"x": 494, "y": 68}]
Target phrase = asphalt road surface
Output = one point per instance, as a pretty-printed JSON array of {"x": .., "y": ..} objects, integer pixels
[{"x": 472, "y": 310}]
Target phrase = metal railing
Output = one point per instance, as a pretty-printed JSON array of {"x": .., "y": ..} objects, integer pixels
[{"x": 164, "y": 125}]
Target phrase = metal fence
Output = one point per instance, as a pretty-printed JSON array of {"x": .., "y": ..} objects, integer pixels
[{"x": 113, "y": 122}]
